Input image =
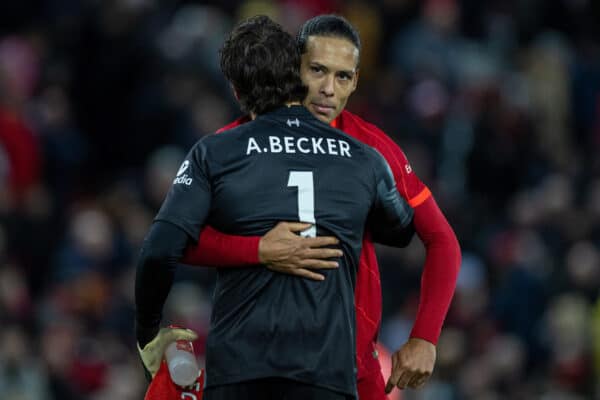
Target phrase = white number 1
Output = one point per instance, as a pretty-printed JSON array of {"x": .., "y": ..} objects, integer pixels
[{"x": 303, "y": 180}]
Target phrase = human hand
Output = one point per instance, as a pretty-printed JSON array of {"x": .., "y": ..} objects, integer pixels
[
  {"x": 412, "y": 365},
  {"x": 283, "y": 250},
  {"x": 153, "y": 352}
]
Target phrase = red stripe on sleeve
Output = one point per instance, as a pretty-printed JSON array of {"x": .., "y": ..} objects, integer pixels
[{"x": 420, "y": 198}]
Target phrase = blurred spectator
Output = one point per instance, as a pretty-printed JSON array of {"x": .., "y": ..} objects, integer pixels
[
  {"x": 22, "y": 375},
  {"x": 65, "y": 148},
  {"x": 19, "y": 148}
]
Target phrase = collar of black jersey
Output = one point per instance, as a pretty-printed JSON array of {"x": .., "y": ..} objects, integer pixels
[{"x": 289, "y": 111}]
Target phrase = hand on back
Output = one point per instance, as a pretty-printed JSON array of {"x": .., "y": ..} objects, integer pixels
[{"x": 283, "y": 250}]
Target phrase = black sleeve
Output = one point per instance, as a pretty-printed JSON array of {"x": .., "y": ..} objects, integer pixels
[
  {"x": 163, "y": 247},
  {"x": 391, "y": 218}
]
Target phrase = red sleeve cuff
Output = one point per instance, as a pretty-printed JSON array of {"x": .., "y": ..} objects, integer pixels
[
  {"x": 423, "y": 330},
  {"x": 216, "y": 249},
  {"x": 248, "y": 249}
]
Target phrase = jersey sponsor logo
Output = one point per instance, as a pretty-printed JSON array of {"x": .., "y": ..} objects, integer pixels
[
  {"x": 183, "y": 167},
  {"x": 408, "y": 168},
  {"x": 292, "y": 145}
]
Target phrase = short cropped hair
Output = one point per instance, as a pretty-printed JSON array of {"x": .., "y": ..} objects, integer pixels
[
  {"x": 327, "y": 25},
  {"x": 262, "y": 62}
]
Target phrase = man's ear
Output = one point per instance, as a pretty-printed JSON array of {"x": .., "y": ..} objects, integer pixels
[{"x": 235, "y": 93}]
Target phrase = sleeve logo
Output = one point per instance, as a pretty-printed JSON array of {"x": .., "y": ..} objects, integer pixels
[
  {"x": 181, "y": 177},
  {"x": 183, "y": 167}
]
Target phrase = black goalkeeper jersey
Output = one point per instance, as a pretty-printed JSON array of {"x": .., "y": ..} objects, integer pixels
[{"x": 285, "y": 165}]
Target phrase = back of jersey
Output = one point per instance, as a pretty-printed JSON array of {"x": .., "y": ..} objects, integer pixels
[{"x": 284, "y": 166}]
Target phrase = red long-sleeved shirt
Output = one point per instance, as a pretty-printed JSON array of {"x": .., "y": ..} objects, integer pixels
[{"x": 442, "y": 260}]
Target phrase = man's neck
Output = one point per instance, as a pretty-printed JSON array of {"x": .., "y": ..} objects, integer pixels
[{"x": 289, "y": 104}]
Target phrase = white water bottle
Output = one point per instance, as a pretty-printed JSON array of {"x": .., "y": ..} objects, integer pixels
[{"x": 182, "y": 363}]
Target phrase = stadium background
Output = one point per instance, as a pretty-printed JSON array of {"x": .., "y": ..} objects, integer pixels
[{"x": 496, "y": 103}]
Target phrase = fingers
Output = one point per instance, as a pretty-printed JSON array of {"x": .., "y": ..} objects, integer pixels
[
  {"x": 390, "y": 385},
  {"x": 173, "y": 334},
  {"x": 322, "y": 253},
  {"x": 403, "y": 380},
  {"x": 404, "y": 376},
  {"x": 418, "y": 380},
  {"x": 321, "y": 241},
  {"x": 395, "y": 375},
  {"x": 294, "y": 226},
  {"x": 153, "y": 351},
  {"x": 300, "y": 272},
  {"x": 305, "y": 273},
  {"x": 318, "y": 241},
  {"x": 312, "y": 263}
]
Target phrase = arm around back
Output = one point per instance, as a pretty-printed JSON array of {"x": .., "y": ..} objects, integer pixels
[
  {"x": 281, "y": 250},
  {"x": 217, "y": 249}
]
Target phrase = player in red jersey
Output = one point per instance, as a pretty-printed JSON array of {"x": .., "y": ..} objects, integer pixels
[{"x": 331, "y": 49}]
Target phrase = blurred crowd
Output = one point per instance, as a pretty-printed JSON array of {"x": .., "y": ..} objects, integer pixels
[{"x": 496, "y": 104}]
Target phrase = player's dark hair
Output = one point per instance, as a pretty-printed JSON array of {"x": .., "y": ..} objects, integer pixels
[
  {"x": 262, "y": 62},
  {"x": 327, "y": 25}
]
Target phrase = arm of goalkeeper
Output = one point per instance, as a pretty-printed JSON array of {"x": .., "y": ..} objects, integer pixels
[{"x": 162, "y": 248}]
